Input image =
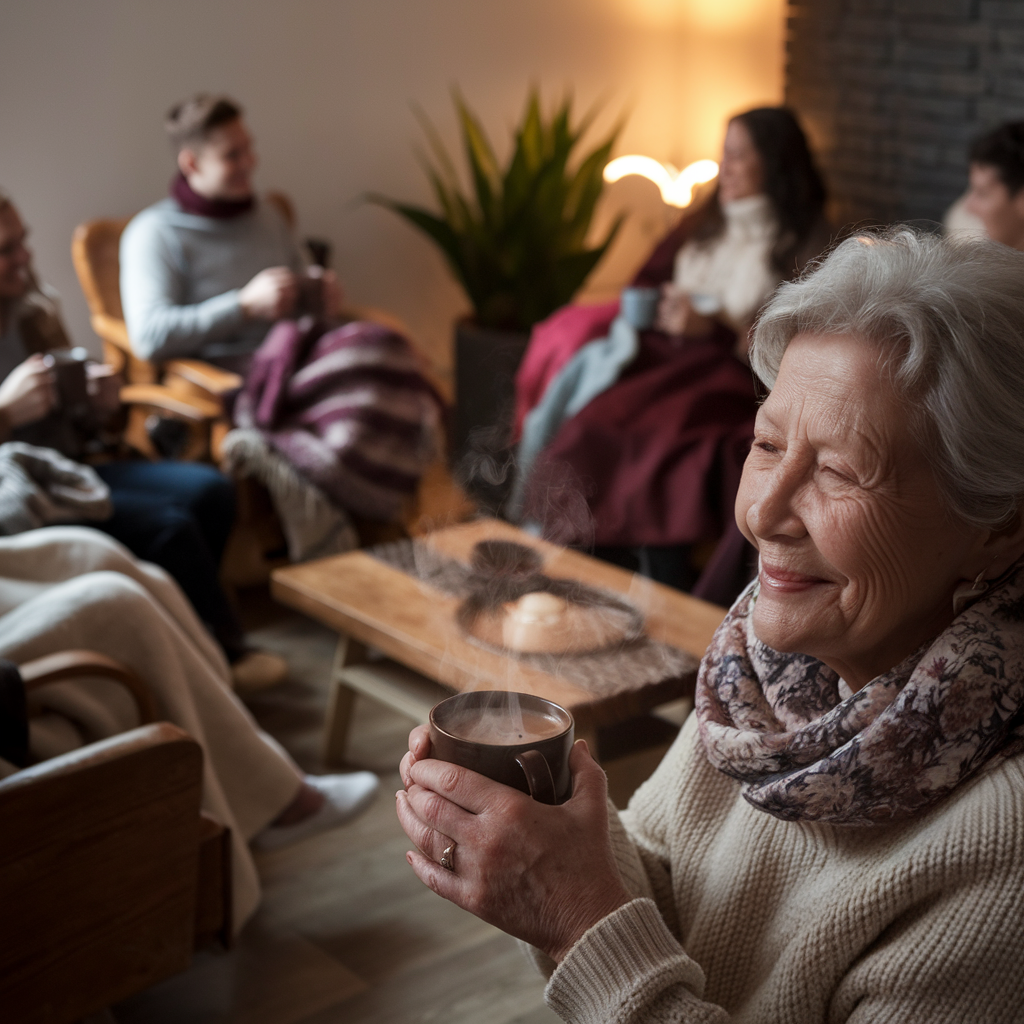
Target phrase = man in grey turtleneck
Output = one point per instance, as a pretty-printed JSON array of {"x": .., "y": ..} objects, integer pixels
[{"x": 207, "y": 270}]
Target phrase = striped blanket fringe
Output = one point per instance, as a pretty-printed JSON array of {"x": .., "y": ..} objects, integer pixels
[
  {"x": 313, "y": 526},
  {"x": 349, "y": 407}
]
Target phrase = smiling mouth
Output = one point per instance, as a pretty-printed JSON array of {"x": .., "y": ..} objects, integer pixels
[{"x": 785, "y": 581}]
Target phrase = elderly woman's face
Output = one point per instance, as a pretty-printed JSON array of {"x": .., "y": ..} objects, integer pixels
[{"x": 858, "y": 557}]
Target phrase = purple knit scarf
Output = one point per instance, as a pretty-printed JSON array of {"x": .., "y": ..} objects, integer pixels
[
  {"x": 218, "y": 209},
  {"x": 778, "y": 723}
]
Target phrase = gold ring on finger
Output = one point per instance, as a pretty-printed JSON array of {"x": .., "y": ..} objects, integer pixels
[{"x": 448, "y": 858}]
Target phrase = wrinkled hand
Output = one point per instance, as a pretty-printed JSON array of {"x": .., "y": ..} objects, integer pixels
[
  {"x": 543, "y": 874},
  {"x": 676, "y": 315},
  {"x": 29, "y": 392},
  {"x": 104, "y": 385},
  {"x": 270, "y": 295}
]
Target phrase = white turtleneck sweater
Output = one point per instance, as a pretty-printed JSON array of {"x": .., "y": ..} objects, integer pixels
[
  {"x": 734, "y": 267},
  {"x": 743, "y": 918}
]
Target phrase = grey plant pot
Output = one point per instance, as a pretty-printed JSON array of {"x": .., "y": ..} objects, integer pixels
[{"x": 486, "y": 361}]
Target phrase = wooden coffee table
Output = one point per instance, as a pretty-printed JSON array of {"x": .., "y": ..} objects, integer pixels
[{"x": 399, "y": 642}]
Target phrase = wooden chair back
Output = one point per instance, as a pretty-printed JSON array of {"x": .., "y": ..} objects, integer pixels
[
  {"x": 95, "y": 248},
  {"x": 99, "y": 861},
  {"x": 95, "y": 252}
]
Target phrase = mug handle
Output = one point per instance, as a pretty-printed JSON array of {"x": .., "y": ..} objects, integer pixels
[{"x": 538, "y": 775}]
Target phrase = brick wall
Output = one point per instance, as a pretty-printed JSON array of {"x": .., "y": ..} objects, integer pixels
[{"x": 891, "y": 93}]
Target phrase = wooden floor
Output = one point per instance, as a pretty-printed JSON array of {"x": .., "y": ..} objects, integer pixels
[{"x": 346, "y": 932}]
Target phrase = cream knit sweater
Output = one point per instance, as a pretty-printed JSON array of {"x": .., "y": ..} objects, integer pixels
[
  {"x": 740, "y": 916},
  {"x": 735, "y": 266}
]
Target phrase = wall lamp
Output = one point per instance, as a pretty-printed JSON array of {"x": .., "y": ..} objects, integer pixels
[{"x": 676, "y": 186}]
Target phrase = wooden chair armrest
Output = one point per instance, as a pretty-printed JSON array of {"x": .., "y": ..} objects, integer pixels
[
  {"x": 205, "y": 375},
  {"x": 117, "y": 750},
  {"x": 112, "y": 329},
  {"x": 188, "y": 407},
  {"x": 74, "y": 664},
  {"x": 98, "y": 870}
]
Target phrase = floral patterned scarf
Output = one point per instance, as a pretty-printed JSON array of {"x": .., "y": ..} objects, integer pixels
[{"x": 779, "y": 723}]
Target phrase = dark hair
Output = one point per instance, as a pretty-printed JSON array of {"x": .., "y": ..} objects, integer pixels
[
  {"x": 193, "y": 119},
  {"x": 791, "y": 182},
  {"x": 1003, "y": 149}
]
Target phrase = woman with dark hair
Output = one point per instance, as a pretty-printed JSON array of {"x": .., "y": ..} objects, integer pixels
[
  {"x": 647, "y": 466},
  {"x": 761, "y": 225}
]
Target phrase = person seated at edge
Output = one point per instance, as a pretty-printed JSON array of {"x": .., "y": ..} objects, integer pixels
[
  {"x": 206, "y": 271},
  {"x": 66, "y": 587},
  {"x": 658, "y": 453},
  {"x": 996, "y": 192},
  {"x": 837, "y": 834},
  {"x": 176, "y": 514}
]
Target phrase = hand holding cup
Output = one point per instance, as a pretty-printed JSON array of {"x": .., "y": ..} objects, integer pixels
[
  {"x": 543, "y": 873},
  {"x": 270, "y": 295},
  {"x": 29, "y": 392},
  {"x": 678, "y": 316}
]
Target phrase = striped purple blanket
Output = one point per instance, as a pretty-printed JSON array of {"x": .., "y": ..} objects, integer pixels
[{"x": 350, "y": 408}]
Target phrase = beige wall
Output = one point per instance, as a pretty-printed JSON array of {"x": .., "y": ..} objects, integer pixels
[{"x": 328, "y": 86}]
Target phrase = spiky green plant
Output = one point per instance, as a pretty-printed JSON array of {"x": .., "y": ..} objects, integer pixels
[{"x": 517, "y": 242}]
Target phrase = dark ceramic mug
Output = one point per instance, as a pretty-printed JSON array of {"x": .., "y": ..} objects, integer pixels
[{"x": 517, "y": 739}]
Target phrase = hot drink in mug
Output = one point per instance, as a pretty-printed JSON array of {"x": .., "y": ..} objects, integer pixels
[{"x": 518, "y": 739}]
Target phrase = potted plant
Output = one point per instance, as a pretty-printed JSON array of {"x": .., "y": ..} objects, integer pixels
[{"x": 516, "y": 243}]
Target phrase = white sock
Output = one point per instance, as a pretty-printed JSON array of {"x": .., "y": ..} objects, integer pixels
[{"x": 345, "y": 796}]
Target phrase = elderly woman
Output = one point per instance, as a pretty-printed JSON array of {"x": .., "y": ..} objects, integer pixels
[{"x": 838, "y": 832}]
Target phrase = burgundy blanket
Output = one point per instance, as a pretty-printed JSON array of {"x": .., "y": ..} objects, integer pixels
[
  {"x": 350, "y": 408},
  {"x": 659, "y": 455},
  {"x": 554, "y": 341}
]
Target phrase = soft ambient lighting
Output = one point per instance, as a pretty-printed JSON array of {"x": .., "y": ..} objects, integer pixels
[
  {"x": 676, "y": 186},
  {"x": 717, "y": 16}
]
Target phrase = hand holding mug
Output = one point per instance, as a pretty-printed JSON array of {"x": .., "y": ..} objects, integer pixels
[
  {"x": 270, "y": 295},
  {"x": 676, "y": 315},
  {"x": 29, "y": 392},
  {"x": 543, "y": 873}
]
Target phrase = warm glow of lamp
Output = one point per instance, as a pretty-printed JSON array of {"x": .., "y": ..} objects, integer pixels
[
  {"x": 710, "y": 15},
  {"x": 676, "y": 186}
]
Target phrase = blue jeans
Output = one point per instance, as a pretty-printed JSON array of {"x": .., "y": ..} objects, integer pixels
[{"x": 178, "y": 515}]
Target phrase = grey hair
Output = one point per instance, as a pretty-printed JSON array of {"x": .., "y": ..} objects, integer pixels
[{"x": 948, "y": 313}]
